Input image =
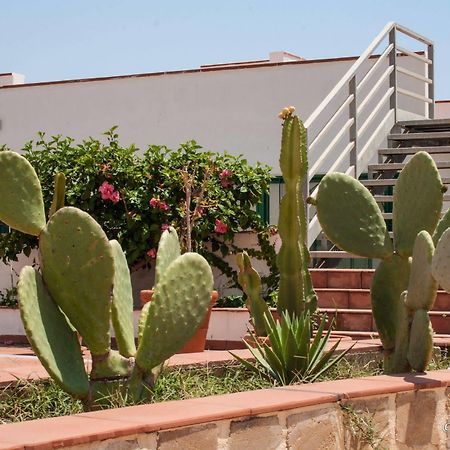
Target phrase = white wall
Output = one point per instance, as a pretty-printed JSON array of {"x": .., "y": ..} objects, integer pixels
[
  {"x": 442, "y": 109},
  {"x": 231, "y": 109}
]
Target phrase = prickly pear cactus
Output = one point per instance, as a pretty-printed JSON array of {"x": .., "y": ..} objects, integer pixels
[
  {"x": 352, "y": 220},
  {"x": 22, "y": 205},
  {"x": 85, "y": 285}
]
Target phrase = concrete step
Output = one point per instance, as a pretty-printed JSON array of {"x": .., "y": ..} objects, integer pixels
[
  {"x": 390, "y": 198},
  {"x": 431, "y": 136},
  {"x": 426, "y": 124},
  {"x": 399, "y": 166},
  {"x": 440, "y": 149},
  {"x": 390, "y": 182}
]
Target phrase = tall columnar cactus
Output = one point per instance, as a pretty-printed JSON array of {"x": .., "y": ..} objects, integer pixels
[
  {"x": 296, "y": 292},
  {"x": 402, "y": 290},
  {"x": 85, "y": 285}
]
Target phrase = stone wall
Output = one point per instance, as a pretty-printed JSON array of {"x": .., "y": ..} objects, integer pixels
[
  {"x": 384, "y": 412},
  {"x": 407, "y": 420}
]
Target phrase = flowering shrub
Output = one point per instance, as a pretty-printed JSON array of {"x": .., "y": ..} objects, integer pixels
[{"x": 136, "y": 198}]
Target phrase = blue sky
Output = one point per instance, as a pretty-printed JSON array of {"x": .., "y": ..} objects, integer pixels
[{"x": 66, "y": 39}]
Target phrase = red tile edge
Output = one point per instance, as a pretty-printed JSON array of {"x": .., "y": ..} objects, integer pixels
[{"x": 113, "y": 423}]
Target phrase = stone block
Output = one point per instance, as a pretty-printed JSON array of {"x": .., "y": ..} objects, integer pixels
[
  {"x": 262, "y": 433},
  {"x": 367, "y": 423},
  {"x": 318, "y": 428},
  {"x": 416, "y": 424},
  {"x": 145, "y": 441},
  {"x": 202, "y": 437}
]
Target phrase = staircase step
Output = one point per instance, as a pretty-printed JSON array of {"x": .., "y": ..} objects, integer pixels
[
  {"x": 342, "y": 278},
  {"x": 426, "y": 124},
  {"x": 431, "y": 136},
  {"x": 399, "y": 166},
  {"x": 362, "y": 320},
  {"x": 334, "y": 254},
  {"x": 440, "y": 149},
  {"x": 359, "y": 299},
  {"x": 390, "y": 182},
  {"x": 390, "y": 198}
]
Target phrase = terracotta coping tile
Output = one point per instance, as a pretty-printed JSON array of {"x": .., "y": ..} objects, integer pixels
[
  {"x": 6, "y": 446},
  {"x": 382, "y": 384},
  {"x": 62, "y": 431},
  {"x": 153, "y": 417}
]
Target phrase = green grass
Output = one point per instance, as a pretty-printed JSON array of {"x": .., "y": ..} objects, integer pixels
[{"x": 39, "y": 399}]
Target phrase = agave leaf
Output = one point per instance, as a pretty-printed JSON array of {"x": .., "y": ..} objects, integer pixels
[
  {"x": 332, "y": 362},
  {"x": 250, "y": 366}
]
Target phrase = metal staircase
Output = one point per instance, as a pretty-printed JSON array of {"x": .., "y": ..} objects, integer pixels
[{"x": 378, "y": 115}]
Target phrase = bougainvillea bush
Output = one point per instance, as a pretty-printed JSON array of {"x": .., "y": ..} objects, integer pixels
[{"x": 135, "y": 198}]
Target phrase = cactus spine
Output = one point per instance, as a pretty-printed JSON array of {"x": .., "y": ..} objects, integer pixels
[
  {"x": 85, "y": 285},
  {"x": 403, "y": 289}
]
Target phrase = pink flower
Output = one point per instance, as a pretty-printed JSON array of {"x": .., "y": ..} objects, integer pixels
[
  {"x": 225, "y": 183},
  {"x": 225, "y": 174},
  {"x": 152, "y": 253},
  {"x": 106, "y": 190},
  {"x": 165, "y": 226},
  {"x": 105, "y": 167},
  {"x": 199, "y": 211},
  {"x": 163, "y": 206},
  {"x": 115, "y": 197},
  {"x": 154, "y": 202},
  {"x": 220, "y": 227}
]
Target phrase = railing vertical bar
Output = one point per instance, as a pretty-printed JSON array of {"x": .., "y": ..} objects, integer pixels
[
  {"x": 393, "y": 75},
  {"x": 354, "y": 128},
  {"x": 430, "y": 75}
]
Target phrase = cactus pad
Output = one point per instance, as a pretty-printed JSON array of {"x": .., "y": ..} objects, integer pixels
[
  {"x": 389, "y": 281},
  {"x": 122, "y": 303},
  {"x": 51, "y": 337},
  {"x": 443, "y": 224},
  {"x": 440, "y": 267},
  {"x": 351, "y": 218},
  {"x": 179, "y": 306},
  {"x": 422, "y": 286},
  {"x": 417, "y": 201},
  {"x": 168, "y": 251},
  {"x": 22, "y": 205},
  {"x": 78, "y": 269},
  {"x": 421, "y": 341}
]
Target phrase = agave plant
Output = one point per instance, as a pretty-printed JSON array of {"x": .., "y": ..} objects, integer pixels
[{"x": 292, "y": 352}]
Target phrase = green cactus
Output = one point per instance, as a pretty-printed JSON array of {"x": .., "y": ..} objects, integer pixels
[
  {"x": 402, "y": 291},
  {"x": 250, "y": 282},
  {"x": 59, "y": 193},
  {"x": 85, "y": 285},
  {"x": 296, "y": 292}
]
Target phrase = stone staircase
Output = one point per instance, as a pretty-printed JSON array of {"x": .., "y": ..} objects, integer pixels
[{"x": 345, "y": 295}]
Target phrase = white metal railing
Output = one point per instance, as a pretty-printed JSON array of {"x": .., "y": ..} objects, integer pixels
[{"x": 365, "y": 99}]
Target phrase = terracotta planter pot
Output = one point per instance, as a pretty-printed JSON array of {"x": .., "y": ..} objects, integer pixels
[{"x": 198, "y": 341}]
